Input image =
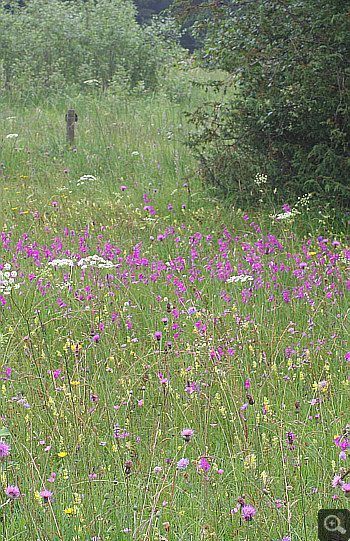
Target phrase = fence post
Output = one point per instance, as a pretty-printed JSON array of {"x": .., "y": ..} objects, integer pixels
[{"x": 71, "y": 118}]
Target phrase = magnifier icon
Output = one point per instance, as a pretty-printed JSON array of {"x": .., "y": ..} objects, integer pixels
[{"x": 332, "y": 523}]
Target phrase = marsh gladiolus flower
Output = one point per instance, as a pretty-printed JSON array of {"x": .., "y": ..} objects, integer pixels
[{"x": 12, "y": 491}]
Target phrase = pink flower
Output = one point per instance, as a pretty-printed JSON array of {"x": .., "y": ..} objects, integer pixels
[
  {"x": 204, "y": 464},
  {"x": 187, "y": 433},
  {"x": 346, "y": 487},
  {"x": 5, "y": 449},
  {"x": 248, "y": 512},
  {"x": 12, "y": 491},
  {"x": 46, "y": 494}
]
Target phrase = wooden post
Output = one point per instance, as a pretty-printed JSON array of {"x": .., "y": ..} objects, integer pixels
[{"x": 71, "y": 118}]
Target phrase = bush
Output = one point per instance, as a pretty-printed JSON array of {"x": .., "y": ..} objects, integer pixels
[{"x": 290, "y": 117}]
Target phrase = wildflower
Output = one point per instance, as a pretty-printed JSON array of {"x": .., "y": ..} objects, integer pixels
[
  {"x": 12, "y": 491},
  {"x": 4, "y": 449},
  {"x": 183, "y": 463},
  {"x": 158, "y": 335},
  {"x": 157, "y": 470},
  {"x": 297, "y": 406},
  {"x": 46, "y": 494},
  {"x": 248, "y": 512},
  {"x": 69, "y": 511},
  {"x": 128, "y": 465},
  {"x": 346, "y": 488},
  {"x": 204, "y": 464},
  {"x": 162, "y": 379},
  {"x": 11, "y": 136},
  {"x": 336, "y": 481},
  {"x": 62, "y": 454},
  {"x": 187, "y": 433},
  {"x": 342, "y": 455}
]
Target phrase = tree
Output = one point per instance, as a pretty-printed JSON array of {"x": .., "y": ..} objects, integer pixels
[{"x": 289, "y": 61}]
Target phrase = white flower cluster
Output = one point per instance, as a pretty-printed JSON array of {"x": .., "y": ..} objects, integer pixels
[
  {"x": 94, "y": 261},
  {"x": 84, "y": 263},
  {"x": 84, "y": 179},
  {"x": 12, "y": 136},
  {"x": 240, "y": 278},
  {"x": 304, "y": 201},
  {"x": 260, "y": 179},
  {"x": 286, "y": 215},
  {"x": 8, "y": 279},
  {"x": 62, "y": 262}
]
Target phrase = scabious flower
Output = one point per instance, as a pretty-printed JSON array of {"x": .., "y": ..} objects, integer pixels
[
  {"x": 187, "y": 433},
  {"x": 248, "y": 512},
  {"x": 46, "y": 494},
  {"x": 5, "y": 449},
  {"x": 183, "y": 463},
  {"x": 336, "y": 481},
  {"x": 12, "y": 491},
  {"x": 157, "y": 470}
]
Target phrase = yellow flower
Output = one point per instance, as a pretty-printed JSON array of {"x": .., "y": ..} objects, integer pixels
[
  {"x": 62, "y": 454},
  {"x": 70, "y": 511},
  {"x": 75, "y": 382}
]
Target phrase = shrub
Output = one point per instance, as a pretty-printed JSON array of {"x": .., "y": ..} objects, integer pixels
[{"x": 289, "y": 62}]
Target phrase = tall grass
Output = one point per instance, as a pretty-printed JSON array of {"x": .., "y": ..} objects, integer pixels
[{"x": 231, "y": 324}]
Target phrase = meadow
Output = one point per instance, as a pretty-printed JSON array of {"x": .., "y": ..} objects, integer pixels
[{"x": 172, "y": 368}]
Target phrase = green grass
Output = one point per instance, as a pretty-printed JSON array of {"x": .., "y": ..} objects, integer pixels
[{"x": 291, "y": 348}]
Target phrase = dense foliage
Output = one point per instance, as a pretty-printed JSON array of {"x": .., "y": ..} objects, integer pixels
[
  {"x": 290, "y": 117},
  {"x": 52, "y": 44}
]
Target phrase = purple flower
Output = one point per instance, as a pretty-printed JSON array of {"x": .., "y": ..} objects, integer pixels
[
  {"x": 346, "y": 487},
  {"x": 158, "y": 335},
  {"x": 12, "y": 491},
  {"x": 187, "y": 433},
  {"x": 248, "y": 512},
  {"x": 4, "y": 449},
  {"x": 204, "y": 464},
  {"x": 183, "y": 463},
  {"x": 336, "y": 481},
  {"x": 46, "y": 494}
]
